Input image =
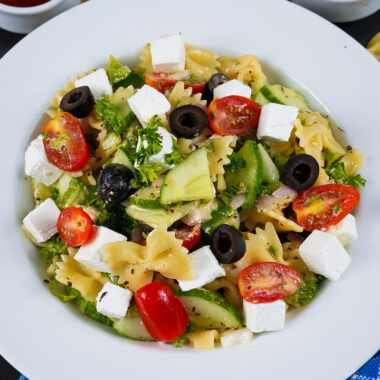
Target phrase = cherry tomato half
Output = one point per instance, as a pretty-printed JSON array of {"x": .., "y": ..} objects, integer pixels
[
  {"x": 160, "y": 81},
  {"x": 233, "y": 115},
  {"x": 323, "y": 206},
  {"x": 268, "y": 282},
  {"x": 161, "y": 311},
  {"x": 189, "y": 236},
  {"x": 64, "y": 142},
  {"x": 74, "y": 226}
]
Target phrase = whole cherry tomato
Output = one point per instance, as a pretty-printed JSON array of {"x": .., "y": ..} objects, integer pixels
[{"x": 161, "y": 311}]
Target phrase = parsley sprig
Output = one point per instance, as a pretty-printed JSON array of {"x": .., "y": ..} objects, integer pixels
[
  {"x": 337, "y": 172},
  {"x": 108, "y": 113},
  {"x": 175, "y": 157},
  {"x": 236, "y": 162}
]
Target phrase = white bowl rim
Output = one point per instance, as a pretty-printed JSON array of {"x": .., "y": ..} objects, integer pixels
[{"x": 29, "y": 10}]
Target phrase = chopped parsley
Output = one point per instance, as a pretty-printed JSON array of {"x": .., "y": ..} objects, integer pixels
[
  {"x": 236, "y": 162},
  {"x": 59, "y": 141},
  {"x": 108, "y": 113},
  {"x": 312, "y": 199},
  {"x": 148, "y": 173},
  {"x": 193, "y": 79},
  {"x": 336, "y": 208},
  {"x": 175, "y": 157},
  {"x": 45, "y": 135},
  {"x": 272, "y": 250},
  {"x": 306, "y": 292},
  {"x": 337, "y": 172},
  {"x": 53, "y": 247}
]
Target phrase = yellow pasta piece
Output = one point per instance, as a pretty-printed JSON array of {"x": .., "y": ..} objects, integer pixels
[
  {"x": 201, "y": 62},
  {"x": 180, "y": 96},
  {"x": 353, "y": 161},
  {"x": 323, "y": 178},
  {"x": 231, "y": 291},
  {"x": 88, "y": 282},
  {"x": 145, "y": 64},
  {"x": 374, "y": 46},
  {"x": 315, "y": 135},
  {"x": 165, "y": 254},
  {"x": 293, "y": 258},
  {"x": 245, "y": 68},
  {"x": 223, "y": 146},
  {"x": 257, "y": 250},
  {"x": 203, "y": 339}
]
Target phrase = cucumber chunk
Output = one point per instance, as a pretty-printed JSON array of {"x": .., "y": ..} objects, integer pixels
[
  {"x": 218, "y": 216},
  {"x": 207, "y": 310},
  {"x": 40, "y": 191},
  {"x": 108, "y": 146},
  {"x": 251, "y": 176},
  {"x": 132, "y": 327},
  {"x": 283, "y": 95},
  {"x": 270, "y": 171},
  {"x": 148, "y": 196},
  {"x": 74, "y": 195},
  {"x": 122, "y": 158},
  {"x": 133, "y": 79},
  {"x": 188, "y": 181},
  {"x": 156, "y": 217},
  {"x": 261, "y": 99},
  {"x": 119, "y": 98}
]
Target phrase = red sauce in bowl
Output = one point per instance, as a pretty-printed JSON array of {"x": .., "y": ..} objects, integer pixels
[{"x": 23, "y": 3}]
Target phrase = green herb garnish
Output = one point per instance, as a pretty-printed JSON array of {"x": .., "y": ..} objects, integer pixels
[{"x": 337, "y": 172}]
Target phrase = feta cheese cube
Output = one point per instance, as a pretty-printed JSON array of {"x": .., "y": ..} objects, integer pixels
[
  {"x": 231, "y": 338},
  {"x": 168, "y": 54},
  {"x": 42, "y": 221},
  {"x": 98, "y": 83},
  {"x": 148, "y": 102},
  {"x": 276, "y": 122},
  {"x": 113, "y": 300},
  {"x": 345, "y": 230},
  {"x": 205, "y": 267},
  {"x": 264, "y": 316},
  {"x": 324, "y": 254},
  {"x": 89, "y": 254},
  {"x": 37, "y": 165},
  {"x": 232, "y": 87},
  {"x": 167, "y": 148}
]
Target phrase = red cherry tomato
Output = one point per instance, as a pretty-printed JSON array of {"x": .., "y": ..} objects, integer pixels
[
  {"x": 74, "y": 226},
  {"x": 161, "y": 311},
  {"x": 268, "y": 282},
  {"x": 160, "y": 81},
  {"x": 189, "y": 235},
  {"x": 233, "y": 115},
  {"x": 323, "y": 206},
  {"x": 65, "y": 144}
]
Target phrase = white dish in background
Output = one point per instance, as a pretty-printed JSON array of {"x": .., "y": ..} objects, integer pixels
[
  {"x": 25, "y": 19},
  {"x": 341, "y": 10},
  {"x": 328, "y": 340}
]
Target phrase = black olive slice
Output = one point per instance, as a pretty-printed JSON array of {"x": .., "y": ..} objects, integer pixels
[
  {"x": 79, "y": 102},
  {"x": 301, "y": 172},
  {"x": 114, "y": 183},
  {"x": 188, "y": 121},
  {"x": 227, "y": 244},
  {"x": 214, "y": 81}
]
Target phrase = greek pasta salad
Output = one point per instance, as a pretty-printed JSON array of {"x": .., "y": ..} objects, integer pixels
[{"x": 189, "y": 200}]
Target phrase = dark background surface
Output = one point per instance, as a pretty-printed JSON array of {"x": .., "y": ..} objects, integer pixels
[{"x": 362, "y": 30}]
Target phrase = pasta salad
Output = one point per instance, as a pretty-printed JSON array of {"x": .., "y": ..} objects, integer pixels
[{"x": 189, "y": 200}]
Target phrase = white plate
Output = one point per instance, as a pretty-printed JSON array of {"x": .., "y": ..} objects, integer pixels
[{"x": 47, "y": 339}]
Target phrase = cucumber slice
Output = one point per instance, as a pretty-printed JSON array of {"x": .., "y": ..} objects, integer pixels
[
  {"x": 156, "y": 217},
  {"x": 40, "y": 191},
  {"x": 148, "y": 196},
  {"x": 283, "y": 95},
  {"x": 188, "y": 181},
  {"x": 108, "y": 146},
  {"x": 132, "y": 327},
  {"x": 207, "y": 310},
  {"x": 251, "y": 176},
  {"x": 133, "y": 79},
  {"x": 122, "y": 158},
  {"x": 270, "y": 171},
  {"x": 119, "y": 98},
  {"x": 261, "y": 99},
  {"x": 218, "y": 216},
  {"x": 74, "y": 195}
]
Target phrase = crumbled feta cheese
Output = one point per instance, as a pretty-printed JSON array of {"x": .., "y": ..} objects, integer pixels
[
  {"x": 148, "y": 102},
  {"x": 168, "y": 54},
  {"x": 205, "y": 267},
  {"x": 89, "y": 254},
  {"x": 276, "y": 122},
  {"x": 113, "y": 300},
  {"x": 324, "y": 254},
  {"x": 345, "y": 230},
  {"x": 42, "y": 221},
  {"x": 167, "y": 148},
  {"x": 98, "y": 83},
  {"x": 264, "y": 316},
  {"x": 37, "y": 165},
  {"x": 232, "y": 87},
  {"x": 231, "y": 338}
]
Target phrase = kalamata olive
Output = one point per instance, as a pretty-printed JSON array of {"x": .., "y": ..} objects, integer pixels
[
  {"x": 227, "y": 244},
  {"x": 188, "y": 121},
  {"x": 79, "y": 102},
  {"x": 215, "y": 81},
  {"x": 114, "y": 183},
  {"x": 301, "y": 172}
]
